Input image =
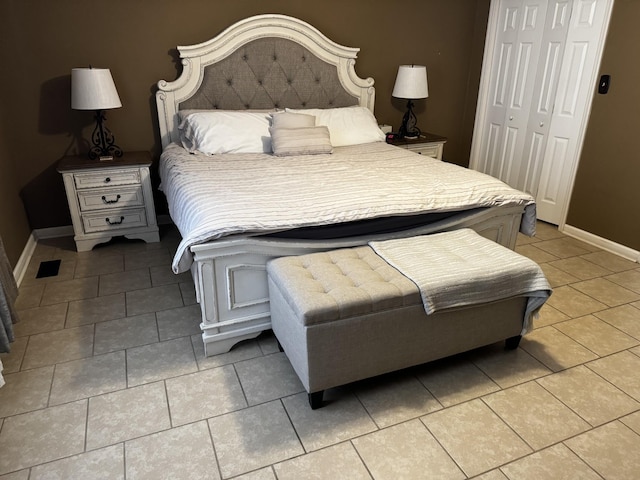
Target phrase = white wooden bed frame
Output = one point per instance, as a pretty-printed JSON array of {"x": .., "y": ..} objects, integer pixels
[{"x": 230, "y": 273}]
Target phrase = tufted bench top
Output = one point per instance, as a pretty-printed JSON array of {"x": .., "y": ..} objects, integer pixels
[{"x": 328, "y": 286}]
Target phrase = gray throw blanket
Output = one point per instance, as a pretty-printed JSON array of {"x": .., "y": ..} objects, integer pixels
[{"x": 461, "y": 268}]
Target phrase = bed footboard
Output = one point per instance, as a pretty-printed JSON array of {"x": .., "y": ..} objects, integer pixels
[
  {"x": 231, "y": 280},
  {"x": 231, "y": 287}
]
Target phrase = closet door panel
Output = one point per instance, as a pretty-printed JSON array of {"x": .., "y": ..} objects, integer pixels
[
  {"x": 494, "y": 134},
  {"x": 545, "y": 86},
  {"x": 573, "y": 99},
  {"x": 533, "y": 158},
  {"x": 544, "y": 56},
  {"x": 498, "y": 134},
  {"x": 511, "y": 86},
  {"x": 557, "y": 152}
]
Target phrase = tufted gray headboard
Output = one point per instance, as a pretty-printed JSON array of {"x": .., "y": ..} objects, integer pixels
[
  {"x": 268, "y": 73},
  {"x": 266, "y": 61}
]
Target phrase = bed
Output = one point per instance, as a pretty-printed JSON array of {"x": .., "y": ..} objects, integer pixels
[{"x": 242, "y": 191}]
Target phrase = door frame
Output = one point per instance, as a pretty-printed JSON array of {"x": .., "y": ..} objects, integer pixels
[{"x": 484, "y": 96}]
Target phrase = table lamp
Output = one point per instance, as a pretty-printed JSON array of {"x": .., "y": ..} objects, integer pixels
[
  {"x": 93, "y": 89},
  {"x": 411, "y": 84}
]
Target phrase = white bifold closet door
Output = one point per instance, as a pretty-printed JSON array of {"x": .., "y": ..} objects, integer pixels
[{"x": 538, "y": 77}]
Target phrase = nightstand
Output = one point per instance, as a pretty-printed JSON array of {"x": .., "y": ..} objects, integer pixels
[
  {"x": 109, "y": 198},
  {"x": 426, "y": 144}
]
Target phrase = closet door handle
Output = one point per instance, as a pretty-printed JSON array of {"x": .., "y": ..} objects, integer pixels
[{"x": 510, "y": 117}]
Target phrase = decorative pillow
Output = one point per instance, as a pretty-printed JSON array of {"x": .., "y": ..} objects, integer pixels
[
  {"x": 347, "y": 125},
  {"x": 225, "y": 131},
  {"x": 292, "y": 120},
  {"x": 300, "y": 141}
]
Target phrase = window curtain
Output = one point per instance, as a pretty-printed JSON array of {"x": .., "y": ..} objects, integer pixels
[{"x": 8, "y": 295}]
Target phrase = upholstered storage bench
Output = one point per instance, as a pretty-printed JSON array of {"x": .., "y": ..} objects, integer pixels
[{"x": 345, "y": 315}]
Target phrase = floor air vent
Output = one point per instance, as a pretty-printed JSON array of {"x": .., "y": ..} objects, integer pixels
[{"x": 49, "y": 268}]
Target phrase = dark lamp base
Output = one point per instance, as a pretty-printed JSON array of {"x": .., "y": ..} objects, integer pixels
[
  {"x": 408, "y": 128},
  {"x": 103, "y": 141}
]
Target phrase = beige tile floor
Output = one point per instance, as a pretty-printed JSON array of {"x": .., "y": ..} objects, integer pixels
[{"x": 107, "y": 379}]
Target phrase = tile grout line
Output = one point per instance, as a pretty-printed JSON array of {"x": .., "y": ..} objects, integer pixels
[{"x": 271, "y": 467}]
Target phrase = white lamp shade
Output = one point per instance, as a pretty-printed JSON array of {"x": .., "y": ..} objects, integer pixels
[
  {"x": 93, "y": 89},
  {"x": 411, "y": 82}
]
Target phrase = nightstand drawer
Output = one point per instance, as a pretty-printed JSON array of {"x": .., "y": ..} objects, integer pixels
[
  {"x": 98, "y": 199},
  {"x": 118, "y": 219},
  {"x": 107, "y": 178},
  {"x": 428, "y": 150}
]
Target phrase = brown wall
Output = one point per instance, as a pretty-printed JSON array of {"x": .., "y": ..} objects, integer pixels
[
  {"x": 14, "y": 228},
  {"x": 137, "y": 40},
  {"x": 607, "y": 190}
]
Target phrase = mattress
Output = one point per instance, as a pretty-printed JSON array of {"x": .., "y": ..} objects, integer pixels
[{"x": 214, "y": 196}]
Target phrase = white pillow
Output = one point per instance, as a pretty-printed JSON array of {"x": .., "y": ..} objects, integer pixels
[
  {"x": 182, "y": 114},
  {"x": 224, "y": 131},
  {"x": 347, "y": 125}
]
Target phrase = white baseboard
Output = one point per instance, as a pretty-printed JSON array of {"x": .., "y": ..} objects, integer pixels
[
  {"x": 53, "y": 232},
  {"x": 603, "y": 243},
  {"x": 27, "y": 252},
  {"x": 25, "y": 257}
]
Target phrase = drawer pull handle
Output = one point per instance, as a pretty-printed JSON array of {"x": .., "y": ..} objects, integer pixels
[
  {"x": 116, "y": 222},
  {"x": 107, "y": 180},
  {"x": 104, "y": 199}
]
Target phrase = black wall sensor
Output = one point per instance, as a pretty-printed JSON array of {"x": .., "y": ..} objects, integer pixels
[{"x": 603, "y": 86}]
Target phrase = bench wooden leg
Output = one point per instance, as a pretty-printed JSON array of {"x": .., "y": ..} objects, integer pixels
[
  {"x": 512, "y": 343},
  {"x": 315, "y": 399}
]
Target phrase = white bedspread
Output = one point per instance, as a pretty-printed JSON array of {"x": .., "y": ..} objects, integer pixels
[
  {"x": 213, "y": 196},
  {"x": 461, "y": 268}
]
